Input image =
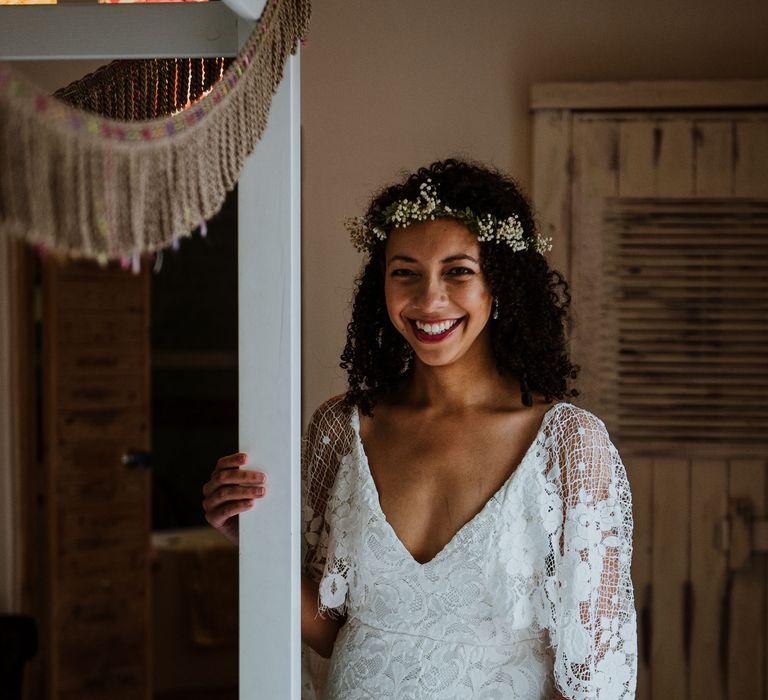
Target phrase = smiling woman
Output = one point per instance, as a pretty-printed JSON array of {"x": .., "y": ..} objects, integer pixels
[
  {"x": 491, "y": 255},
  {"x": 439, "y": 303},
  {"x": 466, "y": 534}
]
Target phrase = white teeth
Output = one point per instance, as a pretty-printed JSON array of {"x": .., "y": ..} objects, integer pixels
[{"x": 435, "y": 328}]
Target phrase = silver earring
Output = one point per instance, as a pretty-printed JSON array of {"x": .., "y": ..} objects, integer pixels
[{"x": 495, "y": 308}]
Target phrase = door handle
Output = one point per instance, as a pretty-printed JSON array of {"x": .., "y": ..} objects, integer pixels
[
  {"x": 137, "y": 459},
  {"x": 740, "y": 534}
]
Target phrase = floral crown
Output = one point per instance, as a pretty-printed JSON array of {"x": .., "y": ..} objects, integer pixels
[{"x": 366, "y": 231}]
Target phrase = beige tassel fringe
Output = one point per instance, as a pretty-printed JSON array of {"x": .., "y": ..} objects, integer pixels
[
  {"x": 143, "y": 89},
  {"x": 89, "y": 186}
]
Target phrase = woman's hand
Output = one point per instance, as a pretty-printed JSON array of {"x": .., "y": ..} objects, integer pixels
[{"x": 231, "y": 491}]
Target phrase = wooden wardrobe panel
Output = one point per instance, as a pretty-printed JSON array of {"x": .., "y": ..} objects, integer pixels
[
  {"x": 709, "y": 505},
  {"x": 671, "y": 582},
  {"x": 637, "y": 158},
  {"x": 595, "y": 177},
  {"x": 640, "y": 475},
  {"x": 675, "y": 167},
  {"x": 713, "y": 154},
  {"x": 650, "y": 180},
  {"x": 95, "y": 331},
  {"x": 552, "y": 152},
  {"x": 750, "y": 176},
  {"x": 744, "y": 657}
]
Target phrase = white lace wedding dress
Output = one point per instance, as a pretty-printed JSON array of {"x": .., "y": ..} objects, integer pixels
[{"x": 533, "y": 594}]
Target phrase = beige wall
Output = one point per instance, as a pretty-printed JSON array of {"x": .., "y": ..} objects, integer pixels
[{"x": 392, "y": 85}]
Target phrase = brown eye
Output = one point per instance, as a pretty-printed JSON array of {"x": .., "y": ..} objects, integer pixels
[{"x": 456, "y": 271}]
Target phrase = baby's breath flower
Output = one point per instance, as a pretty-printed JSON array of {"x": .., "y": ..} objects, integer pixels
[{"x": 365, "y": 233}]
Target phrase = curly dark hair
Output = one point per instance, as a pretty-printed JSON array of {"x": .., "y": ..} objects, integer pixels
[{"x": 528, "y": 338}]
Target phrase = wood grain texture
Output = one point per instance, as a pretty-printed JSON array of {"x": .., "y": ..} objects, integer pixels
[
  {"x": 671, "y": 572},
  {"x": 675, "y": 164},
  {"x": 552, "y": 183},
  {"x": 750, "y": 175},
  {"x": 678, "y": 159},
  {"x": 32, "y": 566},
  {"x": 596, "y": 163},
  {"x": 746, "y": 636},
  {"x": 688, "y": 305},
  {"x": 651, "y": 94},
  {"x": 640, "y": 475},
  {"x": 96, "y": 408},
  {"x": 709, "y": 496},
  {"x": 637, "y": 158},
  {"x": 713, "y": 154}
]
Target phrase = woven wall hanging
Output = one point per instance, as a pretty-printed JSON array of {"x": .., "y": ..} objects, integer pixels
[{"x": 107, "y": 168}]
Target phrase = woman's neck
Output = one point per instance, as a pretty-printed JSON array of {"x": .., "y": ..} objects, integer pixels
[{"x": 460, "y": 386}]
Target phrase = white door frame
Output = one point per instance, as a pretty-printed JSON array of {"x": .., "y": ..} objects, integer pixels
[{"x": 269, "y": 247}]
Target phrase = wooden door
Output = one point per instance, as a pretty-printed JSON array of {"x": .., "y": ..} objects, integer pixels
[
  {"x": 663, "y": 217},
  {"x": 95, "y": 377}
]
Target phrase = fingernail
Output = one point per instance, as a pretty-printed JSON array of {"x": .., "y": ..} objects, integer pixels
[{"x": 259, "y": 491}]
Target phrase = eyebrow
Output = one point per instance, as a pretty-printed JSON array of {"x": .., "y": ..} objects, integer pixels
[{"x": 450, "y": 258}]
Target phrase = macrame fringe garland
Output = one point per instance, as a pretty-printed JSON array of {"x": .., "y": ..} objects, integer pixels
[{"x": 84, "y": 185}]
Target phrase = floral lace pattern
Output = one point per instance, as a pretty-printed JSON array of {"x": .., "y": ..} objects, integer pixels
[{"x": 532, "y": 593}]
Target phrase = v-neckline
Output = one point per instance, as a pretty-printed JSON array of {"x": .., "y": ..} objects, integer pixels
[{"x": 371, "y": 484}]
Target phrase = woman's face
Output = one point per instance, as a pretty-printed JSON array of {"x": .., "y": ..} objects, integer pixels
[{"x": 436, "y": 294}]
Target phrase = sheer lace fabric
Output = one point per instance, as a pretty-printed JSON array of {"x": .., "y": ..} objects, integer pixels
[{"x": 532, "y": 593}]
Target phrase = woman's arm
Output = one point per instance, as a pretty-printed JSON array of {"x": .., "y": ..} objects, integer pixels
[
  {"x": 231, "y": 491},
  {"x": 593, "y": 620},
  {"x": 318, "y": 632}
]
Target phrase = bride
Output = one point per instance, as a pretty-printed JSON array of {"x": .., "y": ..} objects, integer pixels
[{"x": 467, "y": 532}]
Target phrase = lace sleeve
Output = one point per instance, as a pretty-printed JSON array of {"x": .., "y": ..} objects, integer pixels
[
  {"x": 588, "y": 588},
  {"x": 327, "y": 438}
]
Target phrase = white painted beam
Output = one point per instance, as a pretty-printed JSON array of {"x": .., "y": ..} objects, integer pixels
[
  {"x": 270, "y": 400},
  {"x": 156, "y": 30},
  {"x": 247, "y": 9}
]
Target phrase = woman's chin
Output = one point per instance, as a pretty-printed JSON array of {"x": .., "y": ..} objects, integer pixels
[{"x": 436, "y": 359}]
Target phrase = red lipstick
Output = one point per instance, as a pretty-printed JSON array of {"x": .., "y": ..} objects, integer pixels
[{"x": 436, "y": 337}]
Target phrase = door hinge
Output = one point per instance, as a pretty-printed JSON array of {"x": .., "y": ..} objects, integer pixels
[{"x": 740, "y": 534}]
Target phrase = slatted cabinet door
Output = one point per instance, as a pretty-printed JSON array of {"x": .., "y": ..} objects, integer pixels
[
  {"x": 664, "y": 220},
  {"x": 96, "y": 408}
]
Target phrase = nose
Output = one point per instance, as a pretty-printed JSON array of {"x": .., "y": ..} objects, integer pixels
[{"x": 431, "y": 294}]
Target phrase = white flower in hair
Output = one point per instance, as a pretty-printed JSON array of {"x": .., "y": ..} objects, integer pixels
[{"x": 365, "y": 232}]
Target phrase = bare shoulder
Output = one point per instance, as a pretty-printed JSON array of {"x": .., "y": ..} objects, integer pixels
[
  {"x": 385, "y": 413},
  {"x": 542, "y": 407}
]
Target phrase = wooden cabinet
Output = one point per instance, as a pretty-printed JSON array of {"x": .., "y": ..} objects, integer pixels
[
  {"x": 95, "y": 372},
  {"x": 656, "y": 196}
]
